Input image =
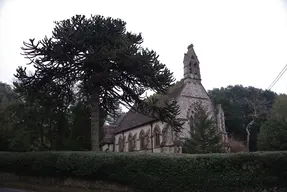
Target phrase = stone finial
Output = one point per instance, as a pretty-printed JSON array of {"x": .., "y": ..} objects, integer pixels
[{"x": 190, "y": 46}]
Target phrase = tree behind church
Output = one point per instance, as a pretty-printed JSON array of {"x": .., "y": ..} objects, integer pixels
[
  {"x": 204, "y": 134},
  {"x": 98, "y": 59},
  {"x": 241, "y": 105}
]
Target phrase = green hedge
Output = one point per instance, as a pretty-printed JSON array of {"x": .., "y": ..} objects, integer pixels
[{"x": 157, "y": 172}]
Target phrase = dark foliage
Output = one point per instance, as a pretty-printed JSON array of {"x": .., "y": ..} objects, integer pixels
[
  {"x": 204, "y": 134},
  {"x": 99, "y": 60},
  {"x": 241, "y": 105},
  {"x": 164, "y": 173},
  {"x": 35, "y": 126},
  {"x": 273, "y": 133}
]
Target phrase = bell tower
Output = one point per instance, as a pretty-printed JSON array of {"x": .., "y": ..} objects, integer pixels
[{"x": 191, "y": 66}]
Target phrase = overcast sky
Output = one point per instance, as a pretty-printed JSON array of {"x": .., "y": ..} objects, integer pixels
[{"x": 237, "y": 41}]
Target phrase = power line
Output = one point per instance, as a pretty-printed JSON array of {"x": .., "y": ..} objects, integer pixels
[{"x": 278, "y": 77}]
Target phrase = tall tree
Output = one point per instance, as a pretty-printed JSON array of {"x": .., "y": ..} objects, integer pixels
[
  {"x": 107, "y": 64},
  {"x": 273, "y": 133},
  {"x": 204, "y": 134}
]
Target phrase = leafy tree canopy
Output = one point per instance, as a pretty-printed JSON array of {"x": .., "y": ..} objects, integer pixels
[
  {"x": 273, "y": 134},
  {"x": 241, "y": 105}
]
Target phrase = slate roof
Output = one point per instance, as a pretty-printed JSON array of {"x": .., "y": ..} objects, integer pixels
[
  {"x": 134, "y": 119},
  {"x": 119, "y": 120}
]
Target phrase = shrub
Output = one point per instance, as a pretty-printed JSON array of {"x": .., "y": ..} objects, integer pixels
[{"x": 157, "y": 172}]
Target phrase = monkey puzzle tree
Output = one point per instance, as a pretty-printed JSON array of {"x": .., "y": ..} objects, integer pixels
[{"x": 97, "y": 58}]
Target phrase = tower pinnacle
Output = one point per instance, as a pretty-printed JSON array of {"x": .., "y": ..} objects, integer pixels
[{"x": 191, "y": 65}]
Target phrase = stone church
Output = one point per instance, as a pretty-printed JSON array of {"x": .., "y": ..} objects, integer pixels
[{"x": 136, "y": 132}]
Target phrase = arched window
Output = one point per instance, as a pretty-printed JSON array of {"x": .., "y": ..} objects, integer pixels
[
  {"x": 164, "y": 134},
  {"x": 121, "y": 144},
  {"x": 146, "y": 139},
  {"x": 142, "y": 140},
  {"x": 135, "y": 141},
  {"x": 191, "y": 124},
  {"x": 130, "y": 142},
  {"x": 156, "y": 136}
]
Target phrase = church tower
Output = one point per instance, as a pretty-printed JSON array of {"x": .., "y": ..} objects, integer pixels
[{"x": 191, "y": 66}]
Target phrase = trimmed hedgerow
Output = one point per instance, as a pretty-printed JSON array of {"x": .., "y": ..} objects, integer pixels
[{"x": 157, "y": 172}]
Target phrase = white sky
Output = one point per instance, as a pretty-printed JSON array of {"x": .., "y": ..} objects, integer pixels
[{"x": 237, "y": 41}]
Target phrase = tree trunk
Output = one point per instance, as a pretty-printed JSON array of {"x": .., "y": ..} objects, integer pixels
[
  {"x": 95, "y": 121},
  {"x": 247, "y": 139},
  {"x": 247, "y": 129}
]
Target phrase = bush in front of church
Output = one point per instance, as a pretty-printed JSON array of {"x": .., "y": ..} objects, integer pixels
[{"x": 157, "y": 172}]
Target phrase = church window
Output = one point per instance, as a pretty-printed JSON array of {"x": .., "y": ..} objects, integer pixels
[
  {"x": 121, "y": 144},
  {"x": 192, "y": 125},
  {"x": 192, "y": 57},
  {"x": 130, "y": 142},
  {"x": 146, "y": 141},
  {"x": 195, "y": 64},
  {"x": 134, "y": 141},
  {"x": 156, "y": 136},
  {"x": 142, "y": 140},
  {"x": 164, "y": 135}
]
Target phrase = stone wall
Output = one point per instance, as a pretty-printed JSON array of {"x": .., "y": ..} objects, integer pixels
[{"x": 41, "y": 184}]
